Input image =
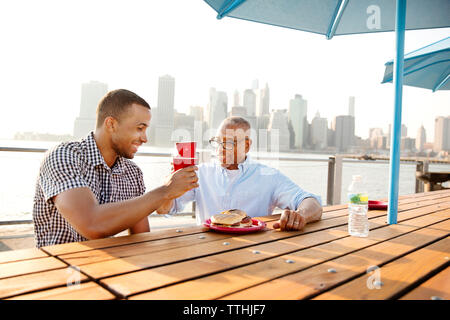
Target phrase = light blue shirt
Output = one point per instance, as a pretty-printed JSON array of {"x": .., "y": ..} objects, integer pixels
[{"x": 255, "y": 188}]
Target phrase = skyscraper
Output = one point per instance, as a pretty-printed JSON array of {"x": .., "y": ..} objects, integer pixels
[
  {"x": 196, "y": 112},
  {"x": 404, "y": 131},
  {"x": 421, "y": 139},
  {"x": 319, "y": 132},
  {"x": 166, "y": 98},
  {"x": 351, "y": 106},
  {"x": 278, "y": 131},
  {"x": 298, "y": 118},
  {"x": 377, "y": 140},
  {"x": 165, "y": 111},
  {"x": 255, "y": 84},
  {"x": 91, "y": 93},
  {"x": 263, "y": 101},
  {"x": 236, "y": 99},
  {"x": 403, "y": 134},
  {"x": 249, "y": 102},
  {"x": 344, "y": 132},
  {"x": 217, "y": 108},
  {"x": 200, "y": 124},
  {"x": 261, "y": 126},
  {"x": 183, "y": 127},
  {"x": 442, "y": 134}
]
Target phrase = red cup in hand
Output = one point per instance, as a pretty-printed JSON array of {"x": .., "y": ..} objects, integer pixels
[
  {"x": 181, "y": 162},
  {"x": 186, "y": 149}
]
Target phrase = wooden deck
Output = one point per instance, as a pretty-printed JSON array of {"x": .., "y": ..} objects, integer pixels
[{"x": 408, "y": 260}]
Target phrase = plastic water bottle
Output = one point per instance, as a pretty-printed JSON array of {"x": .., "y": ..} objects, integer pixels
[{"x": 358, "y": 223}]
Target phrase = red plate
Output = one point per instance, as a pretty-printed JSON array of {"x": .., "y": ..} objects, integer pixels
[
  {"x": 377, "y": 205},
  {"x": 257, "y": 225}
]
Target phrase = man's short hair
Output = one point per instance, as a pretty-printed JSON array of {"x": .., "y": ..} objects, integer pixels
[
  {"x": 236, "y": 121},
  {"x": 115, "y": 103}
]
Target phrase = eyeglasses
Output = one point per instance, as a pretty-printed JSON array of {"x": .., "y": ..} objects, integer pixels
[{"x": 227, "y": 145}]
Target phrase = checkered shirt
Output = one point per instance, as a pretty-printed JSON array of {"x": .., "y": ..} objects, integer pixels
[{"x": 74, "y": 165}]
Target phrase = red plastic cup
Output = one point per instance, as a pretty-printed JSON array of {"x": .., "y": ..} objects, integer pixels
[
  {"x": 186, "y": 149},
  {"x": 181, "y": 162}
]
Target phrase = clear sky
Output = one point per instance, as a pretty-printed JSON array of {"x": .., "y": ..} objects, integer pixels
[{"x": 49, "y": 48}]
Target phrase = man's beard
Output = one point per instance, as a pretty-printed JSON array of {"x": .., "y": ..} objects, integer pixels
[{"x": 122, "y": 153}]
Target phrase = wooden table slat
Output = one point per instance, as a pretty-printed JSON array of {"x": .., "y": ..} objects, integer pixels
[
  {"x": 197, "y": 263},
  {"x": 83, "y": 291},
  {"x": 401, "y": 208},
  {"x": 216, "y": 285},
  {"x": 10, "y": 287},
  {"x": 98, "y": 255},
  {"x": 115, "y": 241},
  {"x": 22, "y": 254},
  {"x": 132, "y": 283},
  {"x": 161, "y": 234},
  {"x": 16, "y": 268},
  {"x": 393, "y": 276},
  {"x": 404, "y": 204},
  {"x": 437, "y": 287},
  {"x": 312, "y": 281},
  {"x": 133, "y": 263}
]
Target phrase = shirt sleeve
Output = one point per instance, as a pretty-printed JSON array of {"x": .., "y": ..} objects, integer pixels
[
  {"x": 180, "y": 203},
  {"x": 60, "y": 171},
  {"x": 288, "y": 195}
]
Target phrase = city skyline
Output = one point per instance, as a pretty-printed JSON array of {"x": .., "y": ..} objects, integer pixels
[
  {"x": 48, "y": 54},
  {"x": 284, "y": 129},
  {"x": 280, "y": 129}
]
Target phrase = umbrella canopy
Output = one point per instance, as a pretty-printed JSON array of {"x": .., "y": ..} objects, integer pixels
[
  {"x": 336, "y": 17},
  {"x": 427, "y": 67},
  {"x": 340, "y": 17}
]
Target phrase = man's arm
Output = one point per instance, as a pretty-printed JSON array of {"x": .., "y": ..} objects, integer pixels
[
  {"x": 179, "y": 203},
  {"x": 165, "y": 207},
  {"x": 141, "y": 226},
  {"x": 308, "y": 211},
  {"x": 93, "y": 220},
  {"x": 290, "y": 196},
  {"x": 311, "y": 210}
]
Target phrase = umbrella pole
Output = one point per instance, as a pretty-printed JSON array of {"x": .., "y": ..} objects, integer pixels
[{"x": 397, "y": 122}]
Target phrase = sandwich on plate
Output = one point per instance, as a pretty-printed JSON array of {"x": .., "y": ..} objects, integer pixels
[{"x": 233, "y": 218}]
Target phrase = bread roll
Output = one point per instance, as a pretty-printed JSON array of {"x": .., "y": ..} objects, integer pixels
[
  {"x": 241, "y": 213},
  {"x": 232, "y": 218},
  {"x": 226, "y": 219}
]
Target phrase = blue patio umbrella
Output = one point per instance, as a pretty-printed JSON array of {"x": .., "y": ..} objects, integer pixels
[
  {"x": 427, "y": 67},
  {"x": 341, "y": 17}
]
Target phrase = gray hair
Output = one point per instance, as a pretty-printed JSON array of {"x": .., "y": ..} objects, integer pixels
[{"x": 236, "y": 122}]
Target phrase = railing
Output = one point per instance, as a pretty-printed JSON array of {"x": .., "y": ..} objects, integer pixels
[{"x": 334, "y": 179}]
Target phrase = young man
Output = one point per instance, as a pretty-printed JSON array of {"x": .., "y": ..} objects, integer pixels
[
  {"x": 90, "y": 189},
  {"x": 234, "y": 181}
]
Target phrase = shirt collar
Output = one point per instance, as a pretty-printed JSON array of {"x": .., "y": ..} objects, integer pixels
[
  {"x": 242, "y": 167},
  {"x": 95, "y": 158}
]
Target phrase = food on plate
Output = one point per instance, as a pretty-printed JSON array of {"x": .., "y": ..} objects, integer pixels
[{"x": 233, "y": 218}]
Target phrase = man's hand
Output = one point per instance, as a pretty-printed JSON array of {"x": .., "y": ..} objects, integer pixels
[
  {"x": 181, "y": 181},
  {"x": 291, "y": 220}
]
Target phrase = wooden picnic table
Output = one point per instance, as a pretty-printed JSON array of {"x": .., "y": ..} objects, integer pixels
[{"x": 408, "y": 260}]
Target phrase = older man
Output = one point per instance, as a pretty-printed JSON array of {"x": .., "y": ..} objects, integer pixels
[{"x": 234, "y": 181}]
